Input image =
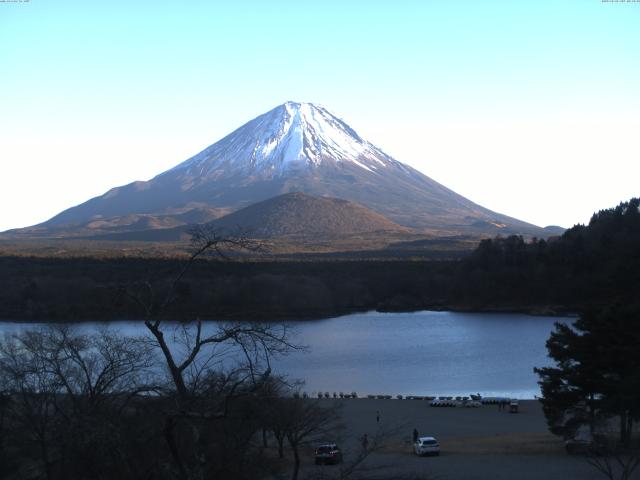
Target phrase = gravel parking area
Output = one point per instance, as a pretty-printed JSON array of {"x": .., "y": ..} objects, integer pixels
[{"x": 476, "y": 443}]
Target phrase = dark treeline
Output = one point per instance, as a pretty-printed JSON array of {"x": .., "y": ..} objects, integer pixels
[
  {"x": 80, "y": 289},
  {"x": 588, "y": 266}
]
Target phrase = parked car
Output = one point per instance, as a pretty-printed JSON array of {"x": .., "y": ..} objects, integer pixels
[
  {"x": 328, "y": 453},
  {"x": 426, "y": 446}
]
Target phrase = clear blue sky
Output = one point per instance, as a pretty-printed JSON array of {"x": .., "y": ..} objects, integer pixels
[{"x": 530, "y": 108}]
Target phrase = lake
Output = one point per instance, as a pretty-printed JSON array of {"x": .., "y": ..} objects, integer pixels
[{"x": 419, "y": 353}]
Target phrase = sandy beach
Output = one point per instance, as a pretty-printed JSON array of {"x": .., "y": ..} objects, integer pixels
[{"x": 476, "y": 443}]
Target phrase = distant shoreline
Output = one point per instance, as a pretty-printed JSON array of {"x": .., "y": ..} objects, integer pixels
[{"x": 252, "y": 317}]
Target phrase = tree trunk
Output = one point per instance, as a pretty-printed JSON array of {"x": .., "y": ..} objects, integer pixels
[
  {"x": 624, "y": 437},
  {"x": 296, "y": 463},
  {"x": 173, "y": 448},
  {"x": 592, "y": 416},
  {"x": 197, "y": 472},
  {"x": 176, "y": 374},
  {"x": 280, "y": 446},
  {"x": 45, "y": 459}
]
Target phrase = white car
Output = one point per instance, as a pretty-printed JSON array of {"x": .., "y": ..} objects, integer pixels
[{"x": 426, "y": 446}]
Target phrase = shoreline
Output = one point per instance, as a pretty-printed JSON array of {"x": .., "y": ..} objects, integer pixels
[
  {"x": 533, "y": 311},
  {"x": 425, "y": 399}
]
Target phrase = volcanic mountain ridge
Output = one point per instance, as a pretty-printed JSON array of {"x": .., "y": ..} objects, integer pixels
[{"x": 296, "y": 147}]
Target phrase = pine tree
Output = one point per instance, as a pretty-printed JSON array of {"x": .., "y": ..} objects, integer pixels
[{"x": 597, "y": 372}]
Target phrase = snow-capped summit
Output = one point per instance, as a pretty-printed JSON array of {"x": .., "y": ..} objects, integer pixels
[
  {"x": 295, "y": 147},
  {"x": 291, "y": 136}
]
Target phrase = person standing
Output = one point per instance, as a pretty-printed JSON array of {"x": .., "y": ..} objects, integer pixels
[
  {"x": 365, "y": 442},
  {"x": 378, "y": 417},
  {"x": 415, "y": 435}
]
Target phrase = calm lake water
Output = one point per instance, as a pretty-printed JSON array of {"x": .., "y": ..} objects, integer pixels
[{"x": 421, "y": 353}]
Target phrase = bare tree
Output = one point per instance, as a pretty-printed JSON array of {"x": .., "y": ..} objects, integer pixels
[
  {"x": 308, "y": 421},
  {"x": 354, "y": 464},
  {"x": 94, "y": 405},
  {"x": 276, "y": 414},
  {"x": 90, "y": 370},
  {"x": 66, "y": 390},
  {"x": 33, "y": 393},
  {"x": 278, "y": 422},
  {"x": 256, "y": 342},
  {"x": 616, "y": 461},
  {"x": 213, "y": 362},
  {"x": 5, "y": 400}
]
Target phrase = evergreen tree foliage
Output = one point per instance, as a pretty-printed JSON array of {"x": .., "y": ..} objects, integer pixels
[
  {"x": 587, "y": 267},
  {"x": 597, "y": 372}
]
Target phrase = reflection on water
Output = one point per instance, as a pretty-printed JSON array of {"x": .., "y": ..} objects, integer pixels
[{"x": 422, "y": 353}]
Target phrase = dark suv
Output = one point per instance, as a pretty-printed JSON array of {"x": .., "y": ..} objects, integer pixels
[{"x": 328, "y": 453}]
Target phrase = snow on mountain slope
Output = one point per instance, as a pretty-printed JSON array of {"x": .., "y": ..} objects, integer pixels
[
  {"x": 291, "y": 136},
  {"x": 299, "y": 147}
]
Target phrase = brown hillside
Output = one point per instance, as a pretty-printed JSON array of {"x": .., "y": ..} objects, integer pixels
[{"x": 300, "y": 214}]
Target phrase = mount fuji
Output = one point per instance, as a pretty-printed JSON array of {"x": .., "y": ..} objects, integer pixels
[{"x": 296, "y": 147}]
